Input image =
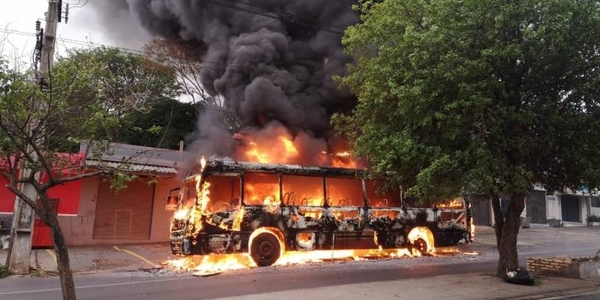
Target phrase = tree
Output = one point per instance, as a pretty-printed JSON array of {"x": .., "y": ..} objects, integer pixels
[
  {"x": 477, "y": 98},
  {"x": 164, "y": 124},
  {"x": 109, "y": 80},
  {"x": 83, "y": 102},
  {"x": 184, "y": 57}
]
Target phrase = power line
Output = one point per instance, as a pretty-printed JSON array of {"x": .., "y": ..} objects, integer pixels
[
  {"x": 78, "y": 5},
  {"x": 291, "y": 16},
  {"x": 282, "y": 16},
  {"x": 216, "y": 66}
]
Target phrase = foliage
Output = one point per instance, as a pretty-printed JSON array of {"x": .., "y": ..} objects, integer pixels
[
  {"x": 184, "y": 58},
  {"x": 82, "y": 103},
  {"x": 593, "y": 218},
  {"x": 457, "y": 96},
  {"x": 164, "y": 124},
  {"x": 104, "y": 85},
  {"x": 4, "y": 272},
  {"x": 477, "y": 97}
]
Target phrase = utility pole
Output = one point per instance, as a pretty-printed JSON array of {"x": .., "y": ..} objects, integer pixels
[{"x": 23, "y": 220}]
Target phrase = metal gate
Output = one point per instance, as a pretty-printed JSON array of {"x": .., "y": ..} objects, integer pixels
[
  {"x": 569, "y": 205},
  {"x": 126, "y": 214},
  {"x": 536, "y": 207}
]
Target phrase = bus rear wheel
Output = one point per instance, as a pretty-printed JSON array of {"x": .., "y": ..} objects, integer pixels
[{"x": 265, "y": 249}]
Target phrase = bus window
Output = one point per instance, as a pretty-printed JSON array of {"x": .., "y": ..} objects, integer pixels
[
  {"x": 302, "y": 190},
  {"x": 344, "y": 192},
  {"x": 379, "y": 197},
  {"x": 188, "y": 195},
  {"x": 261, "y": 188},
  {"x": 224, "y": 193}
]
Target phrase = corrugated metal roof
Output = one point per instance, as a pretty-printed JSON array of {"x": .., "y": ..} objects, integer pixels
[
  {"x": 138, "y": 155},
  {"x": 132, "y": 167}
]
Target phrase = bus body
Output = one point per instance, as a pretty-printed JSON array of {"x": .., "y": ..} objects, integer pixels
[{"x": 265, "y": 209}]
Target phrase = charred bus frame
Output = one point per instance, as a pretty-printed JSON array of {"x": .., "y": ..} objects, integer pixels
[{"x": 266, "y": 209}]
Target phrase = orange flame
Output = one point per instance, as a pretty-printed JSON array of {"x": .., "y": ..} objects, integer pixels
[
  {"x": 216, "y": 263},
  {"x": 282, "y": 150},
  {"x": 344, "y": 160},
  {"x": 454, "y": 203},
  {"x": 419, "y": 234},
  {"x": 275, "y": 144}
]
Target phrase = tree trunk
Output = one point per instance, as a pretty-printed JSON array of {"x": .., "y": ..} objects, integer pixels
[
  {"x": 498, "y": 219},
  {"x": 62, "y": 255},
  {"x": 507, "y": 230}
]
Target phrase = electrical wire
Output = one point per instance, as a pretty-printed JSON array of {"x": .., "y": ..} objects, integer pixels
[
  {"x": 290, "y": 15},
  {"x": 216, "y": 66},
  {"x": 78, "y": 4},
  {"x": 256, "y": 10}
]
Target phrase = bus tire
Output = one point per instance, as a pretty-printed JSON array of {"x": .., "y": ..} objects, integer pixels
[
  {"x": 265, "y": 249},
  {"x": 421, "y": 246}
]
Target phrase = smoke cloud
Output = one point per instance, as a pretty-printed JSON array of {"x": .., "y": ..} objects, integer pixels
[{"x": 272, "y": 61}]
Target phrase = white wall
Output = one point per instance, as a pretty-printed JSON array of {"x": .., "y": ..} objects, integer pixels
[{"x": 553, "y": 207}]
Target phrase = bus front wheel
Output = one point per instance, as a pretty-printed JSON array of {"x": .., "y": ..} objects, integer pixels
[
  {"x": 421, "y": 246},
  {"x": 265, "y": 249}
]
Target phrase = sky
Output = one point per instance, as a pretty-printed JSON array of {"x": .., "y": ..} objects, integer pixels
[{"x": 17, "y": 27}]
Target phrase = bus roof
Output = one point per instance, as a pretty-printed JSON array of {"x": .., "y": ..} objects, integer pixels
[{"x": 227, "y": 166}]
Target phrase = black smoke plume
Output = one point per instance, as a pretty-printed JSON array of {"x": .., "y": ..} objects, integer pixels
[{"x": 270, "y": 60}]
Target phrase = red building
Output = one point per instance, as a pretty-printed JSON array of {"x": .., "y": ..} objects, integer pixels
[{"x": 90, "y": 212}]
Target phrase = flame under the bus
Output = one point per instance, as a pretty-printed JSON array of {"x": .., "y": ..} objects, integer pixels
[{"x": 205, "y": 265}]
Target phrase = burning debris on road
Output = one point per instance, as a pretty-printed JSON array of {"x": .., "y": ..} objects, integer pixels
[{"x": 206, "y": 265}]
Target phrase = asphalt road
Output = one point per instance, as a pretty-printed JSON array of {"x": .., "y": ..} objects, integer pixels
[
  {"x": 179, "y": 286},
  {"x": 170, "y": 285},
  {"x": 163, "y": 284}
]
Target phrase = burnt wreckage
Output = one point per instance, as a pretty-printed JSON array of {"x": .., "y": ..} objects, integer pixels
[{"x": 266, "y": 209}]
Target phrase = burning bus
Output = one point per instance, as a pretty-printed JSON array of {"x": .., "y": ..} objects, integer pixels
[{"x": 265, "y": 209}]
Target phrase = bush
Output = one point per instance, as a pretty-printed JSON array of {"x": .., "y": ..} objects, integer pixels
[
  {"x": 4, "y": 272},
  {"x": 593, "y": 218}
]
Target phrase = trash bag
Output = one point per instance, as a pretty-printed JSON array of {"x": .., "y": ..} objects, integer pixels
[
  {"x": 4, "y": 240},
  {"x": 520, "y": 276}
]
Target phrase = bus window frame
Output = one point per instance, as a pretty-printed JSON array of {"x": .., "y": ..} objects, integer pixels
[
  {"x": 326, "y": 191},
  {"x": 323, "y": 202}
]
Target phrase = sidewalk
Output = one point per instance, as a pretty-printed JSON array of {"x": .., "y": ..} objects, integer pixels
[
  {"x": 471, "y": 286},
  {"x": 93, "y": 259},
  {"x": 127, "y": 258}
]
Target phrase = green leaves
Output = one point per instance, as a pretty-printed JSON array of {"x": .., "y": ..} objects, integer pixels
[
  {"x": 480, "y": 96},
  {"x": 90, "y": 96},
  {"x": 162, "y": 124},
  {"x": 93, "y": 90}
]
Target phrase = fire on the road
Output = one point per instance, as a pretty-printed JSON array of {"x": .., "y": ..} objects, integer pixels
[{"x": 205, "y": 265}]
